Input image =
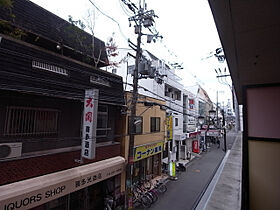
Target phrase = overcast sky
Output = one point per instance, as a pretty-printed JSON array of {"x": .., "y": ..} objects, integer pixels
[{"x": 187, "y": 26}]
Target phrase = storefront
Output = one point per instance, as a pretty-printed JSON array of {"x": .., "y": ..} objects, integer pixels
[
  {"x": 147, "y": 161},
  {"x": 82, "y": 187}
]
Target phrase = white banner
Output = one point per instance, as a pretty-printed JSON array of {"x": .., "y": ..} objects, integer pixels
[{"x": 89, "y": 123}]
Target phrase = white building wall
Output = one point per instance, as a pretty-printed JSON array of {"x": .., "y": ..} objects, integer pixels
[{"x": 153, "y": 89}]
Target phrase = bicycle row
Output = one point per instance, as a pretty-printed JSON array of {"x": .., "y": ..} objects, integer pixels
[{"x": 147, "y": 193}]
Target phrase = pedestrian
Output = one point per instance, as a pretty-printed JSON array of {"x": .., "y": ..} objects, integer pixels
[{"x": 218, "y": 142}]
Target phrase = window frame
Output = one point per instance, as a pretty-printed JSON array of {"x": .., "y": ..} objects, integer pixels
[
  {"x": 99, "y": 115},
  {"x": 24, "y": 121},
  {"x": 153, "y": 125},
  {"x": 135, "y": 118},
  {"x": 176, "y": 122}
]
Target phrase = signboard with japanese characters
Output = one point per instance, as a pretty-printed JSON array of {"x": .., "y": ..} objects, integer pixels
[
  {"x": 214, "y": 133},
  {"x": 169, "y": 124},
  {"x": 89, "y": 123},
  {"x": 147, "y": 150},
  {"x": 191, "y": 103},
  {"x": 66, "y": 184}
]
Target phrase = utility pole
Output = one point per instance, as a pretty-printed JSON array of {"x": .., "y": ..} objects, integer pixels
[
  {"x": 133, "y": 115},
  {"x": 235, "y": 103},
  {"x": 142, "y": 18},
  {"x": 217, "y": 109},
  {"x": 225, "y": 131}
]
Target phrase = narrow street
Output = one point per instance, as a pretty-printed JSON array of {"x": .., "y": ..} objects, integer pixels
[{"x": 188, "y": 189}]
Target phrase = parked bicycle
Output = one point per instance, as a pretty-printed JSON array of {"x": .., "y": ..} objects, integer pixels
[
  {"x": 161, "y": 186},
  {"x": 158, "y": 188},
  {"x": 141, "y": 197},
  {"x": 109, "y": 202}
]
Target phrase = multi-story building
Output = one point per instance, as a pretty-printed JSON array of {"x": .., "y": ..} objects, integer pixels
[
  {"x": 159, "y": 81},
  {"x": 58, "y": 145},
  {"x": 149, "y": 139},
  {"x": 189, "y": 124},
  {"x": 203, "y": 102}
]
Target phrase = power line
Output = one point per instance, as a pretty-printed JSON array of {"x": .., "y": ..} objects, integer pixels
[
  {"x": 145, "y": 89},
  {"x": 124, "y": 9},
  {"x": 110, "y": 19}
]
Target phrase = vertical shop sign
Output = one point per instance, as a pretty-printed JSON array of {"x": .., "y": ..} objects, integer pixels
[
  {"x": 172, "y": 169},
  {"x": 169, "y": 123},
  {"x": 191, "y": 103},
  {"x": 89, "y": 123}
]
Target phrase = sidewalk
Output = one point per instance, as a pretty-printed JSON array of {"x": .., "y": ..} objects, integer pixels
[{"x": 224, "y": 191}]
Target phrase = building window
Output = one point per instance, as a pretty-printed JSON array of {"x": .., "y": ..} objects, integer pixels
[
  {"x": 176, "y": 122},
  {"x": 177, "y": 95},
  {"x": 114, "y": 71},
  {"x": 29, "y": 121},
  {"x": 102, "y": 121},
  {"x": 155, "y": 124},
  {"x": 137, "y": 125}
]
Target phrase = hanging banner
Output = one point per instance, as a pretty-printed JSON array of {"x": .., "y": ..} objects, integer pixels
[
  {"x": 147, "y": 150},
  {"x": 89, "y": 123},
  {"x": 169, "y": 123}
]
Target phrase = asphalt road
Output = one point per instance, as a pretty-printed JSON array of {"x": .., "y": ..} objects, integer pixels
[{"x": 186, "y": 191}]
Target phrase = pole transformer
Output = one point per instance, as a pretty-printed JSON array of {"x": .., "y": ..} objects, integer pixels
[{"x": 142, "y": 18}]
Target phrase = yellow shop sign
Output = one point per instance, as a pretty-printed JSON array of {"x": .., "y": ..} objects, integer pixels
[
  {"x": 147, "y": 150},
  {"x": 169, "y": 124}
]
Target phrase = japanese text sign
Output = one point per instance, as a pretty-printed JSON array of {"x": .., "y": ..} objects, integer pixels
[
  {"x": 147, "y": 150},
  {"x": 89, "y": 123},
  {"x": 169, "y": 123}
]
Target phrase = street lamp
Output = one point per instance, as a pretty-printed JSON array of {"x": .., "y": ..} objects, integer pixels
[
  {"x": 201, "y": 120},
  {"x": 212, "y": 114}
]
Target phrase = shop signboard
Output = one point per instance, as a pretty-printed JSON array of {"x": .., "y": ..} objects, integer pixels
[
  {"x": 191, "y": 103},
  {"x": 169, "y": 123},
  {"x": 147, "y": 150},
  {"x": 33, "y": 192},
  {"x": 214, "y": 133},
  {"x": 89, "y": 123},
  {"x": 172, "y": 169}
]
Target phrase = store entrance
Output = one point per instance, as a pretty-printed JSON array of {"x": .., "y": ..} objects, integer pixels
[
  {"x": 147, "y": 168},
  {"x": 89, "y": 198}
]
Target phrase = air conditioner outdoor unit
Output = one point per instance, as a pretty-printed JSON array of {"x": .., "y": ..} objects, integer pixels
[{"x": 10, "y": 150}]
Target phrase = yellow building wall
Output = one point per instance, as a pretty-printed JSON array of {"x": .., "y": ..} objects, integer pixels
[
  {"x": 146, "y": 112},
  {"x": 146, "y": 137}
]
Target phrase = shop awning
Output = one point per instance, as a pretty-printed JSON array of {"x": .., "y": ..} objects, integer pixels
[{"x": 29, "y": 193}]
